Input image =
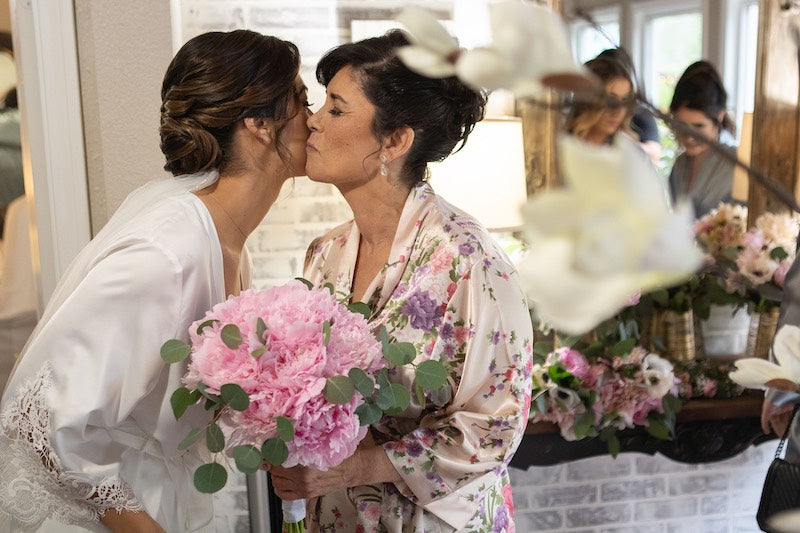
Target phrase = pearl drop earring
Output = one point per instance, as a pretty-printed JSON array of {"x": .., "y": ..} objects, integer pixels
[{"x": 384, "y": 169}]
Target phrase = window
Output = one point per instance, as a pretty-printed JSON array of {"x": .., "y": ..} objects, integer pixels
[{"x": 588, "y": 41}]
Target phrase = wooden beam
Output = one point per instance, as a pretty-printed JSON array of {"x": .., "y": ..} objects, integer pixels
[{"x": 776, "y": 116}]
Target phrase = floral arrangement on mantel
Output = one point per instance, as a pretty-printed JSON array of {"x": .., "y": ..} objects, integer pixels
[
  {"x": 594, "y": 390},
  {"x": 749, "y": 265}
]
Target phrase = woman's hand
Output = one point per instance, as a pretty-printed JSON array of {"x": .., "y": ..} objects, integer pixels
[
  {"x": 130, "y": 522},
  {"x": 368, "y": 465},
  {"x": 775, "y": 418}
]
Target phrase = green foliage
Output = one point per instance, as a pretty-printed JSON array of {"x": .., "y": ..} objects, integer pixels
[
  {"x": 206, "y": 324},
  {"x": 361, "y": 381},
  {"x": 231, "y": 336},
  {"x": 274, "y": 451},
  {"x": 215, "y": 439},
  {"x": 181, "y": 399},
  {"x": 360, "y": 308},
  {"x": 368, "y": 413},
  {"x": 193, "y": 436},
  {"x": 285, "y": 428},
  {"x": 247, "y": 458},
  {"x": 305, "y": 282},
  {"x": 399, "y": 353},
  {"x": 339, "y": 389},
  {"x": 210, "y": 478},
  {"x": 430, "y": 375},
  {"x": 234, "y": 397},
  {"x": 175, "y": 351}
]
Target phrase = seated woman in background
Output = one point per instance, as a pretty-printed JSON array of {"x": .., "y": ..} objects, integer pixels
[
  {"x": 700, "y": 173},
  {"x": 597, "y": 122}
]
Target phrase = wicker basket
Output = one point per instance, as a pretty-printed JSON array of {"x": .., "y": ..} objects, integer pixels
[{"x": 762, "y": 330}]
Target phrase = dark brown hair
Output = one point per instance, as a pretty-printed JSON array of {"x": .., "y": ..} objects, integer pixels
[
  {"x": 700, "y": 88},
  {"x": 215, "y": 80},
  {"x": 441, "y": 111}
]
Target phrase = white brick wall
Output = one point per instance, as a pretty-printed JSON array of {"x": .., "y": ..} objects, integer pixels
[
  {"x": 637, "y": 493},
  {"x": 631, "y": 494}
]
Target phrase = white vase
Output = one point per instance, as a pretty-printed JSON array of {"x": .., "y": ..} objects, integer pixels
[{"x": 725, "y": 331}]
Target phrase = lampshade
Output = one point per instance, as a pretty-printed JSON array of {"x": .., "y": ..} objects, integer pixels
[{"x": 487, "y": 177}]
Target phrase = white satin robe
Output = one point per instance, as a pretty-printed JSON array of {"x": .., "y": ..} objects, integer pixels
[{"x": 90, "y": 393}]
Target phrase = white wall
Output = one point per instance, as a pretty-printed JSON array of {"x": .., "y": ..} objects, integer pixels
[{"x": 123, "y": 48}]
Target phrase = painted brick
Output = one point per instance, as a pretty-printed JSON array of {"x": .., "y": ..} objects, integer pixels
[
  {"x": 699, "y": 483},
  {"x": 539, "y": 521},
  {"x": 699, "y": 526},
  {"x": 596, "y": 516},
  {"x": 678, "y": 508},
  {"x": 710, "y": 505},
  {"x": 537, "y": 475},
  {"x": 650, "y": 528},
  {"x": 599, "y": 468},
  {"x": 659, "y": 464},
  {"x": 551, "y": 496},
  {"x": 628, "y": 490}
]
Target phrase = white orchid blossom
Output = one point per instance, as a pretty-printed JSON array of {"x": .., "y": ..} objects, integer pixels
[
  {"x": 608, "y": 234},
  {"x": 529, "y": 47},
  {"x": 757, "y": 373}
]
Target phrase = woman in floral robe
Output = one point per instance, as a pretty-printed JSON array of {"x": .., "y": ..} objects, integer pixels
[{"x": 433, "y": 277}]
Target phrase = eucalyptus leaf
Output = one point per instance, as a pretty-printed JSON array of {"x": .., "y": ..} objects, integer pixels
[
  {"x": 368, "y": 413},
  {"x": 234, "y": 396},
  {"x": 191, "y": 438},
  {"x": 400, "y": 353},
  {"x": 231, "y": 336},
  {"x": 658, "y": 429},
  {"x": 338, "y": 389},
  {"x": 394, "y": 398},
  {"x": 623, "y": 347},
  {"x": 274, "y": 451},
  {"x": 258, "y": 352},
  {"x": 206, "y": 324},
  {"x": 360, "y": 308},
  {"x": 247, "y": 458},
  {"x": 330, "y": 287},
  {"x": 210, "y": 478},
  {"x": 215, "y": 439},
  {"x": 431, "y": 375},
  {"x": 181, "y": 399},
  {"x": 326, "y": 332},
  {"x": 261, "y": 329},
  {"x": 383, "y": 335},
  {"x": 361, "y": 381},
  {"x": 175, "y": 351},
  {"x": 285, "y": 428},
  {"x": 420, "y": 395},
  {"x": 305, "y": 282}
]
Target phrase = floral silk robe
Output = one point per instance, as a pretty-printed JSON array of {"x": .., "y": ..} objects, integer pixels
[{"x": 451, "y": 292}]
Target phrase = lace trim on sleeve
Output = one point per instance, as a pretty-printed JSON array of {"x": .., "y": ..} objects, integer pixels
[{"x": 33, "y": 486}]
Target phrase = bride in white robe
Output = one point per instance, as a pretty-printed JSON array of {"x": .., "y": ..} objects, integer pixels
[{"x": 89, "y": 440}]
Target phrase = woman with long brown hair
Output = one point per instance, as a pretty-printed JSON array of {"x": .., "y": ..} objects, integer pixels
[{"x": 89, "y": 441}]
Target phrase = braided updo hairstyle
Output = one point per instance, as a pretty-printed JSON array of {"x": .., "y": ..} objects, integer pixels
[
  {"x": 442, "y": 112},
  {"x": 700, "y": 88},
  {"x": 214, "y": 81}
]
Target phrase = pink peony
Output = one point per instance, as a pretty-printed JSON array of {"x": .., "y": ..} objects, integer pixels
[
  {"x": 574, "y": 361},
  {"x": 287, "y": 379}
]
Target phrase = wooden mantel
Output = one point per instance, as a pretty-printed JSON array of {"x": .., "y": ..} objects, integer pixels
[{"x": 706, "y": 430}]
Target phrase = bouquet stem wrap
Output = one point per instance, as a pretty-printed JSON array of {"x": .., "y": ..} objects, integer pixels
[{"x": 294, "y": 513}]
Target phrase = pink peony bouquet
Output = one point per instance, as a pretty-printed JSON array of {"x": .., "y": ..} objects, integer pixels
[
  {"x": 279, "y": 368},
  {"x": 721, "y": 230},
  {"x": 596, "y": 396}
]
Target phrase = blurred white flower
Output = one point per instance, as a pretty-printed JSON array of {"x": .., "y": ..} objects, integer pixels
[
  {"x": 602, "y": 238},
  {"x": 757, "y": 373},
  {"x": 530, "y": 47},
  {"x": 658, "y": 374}
]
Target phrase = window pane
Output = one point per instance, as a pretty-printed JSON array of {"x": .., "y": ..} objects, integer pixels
[
  {"x": 676, "y": 41},
  {"x": 591, "y": 42},
  {"x": 750, "y": 43}
]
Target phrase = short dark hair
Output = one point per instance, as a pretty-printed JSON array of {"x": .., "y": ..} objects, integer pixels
[
  {"x": 215, "y": 80},
  {"x": 700, "y": 88},
  {"x": 441, "y": 111}
]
